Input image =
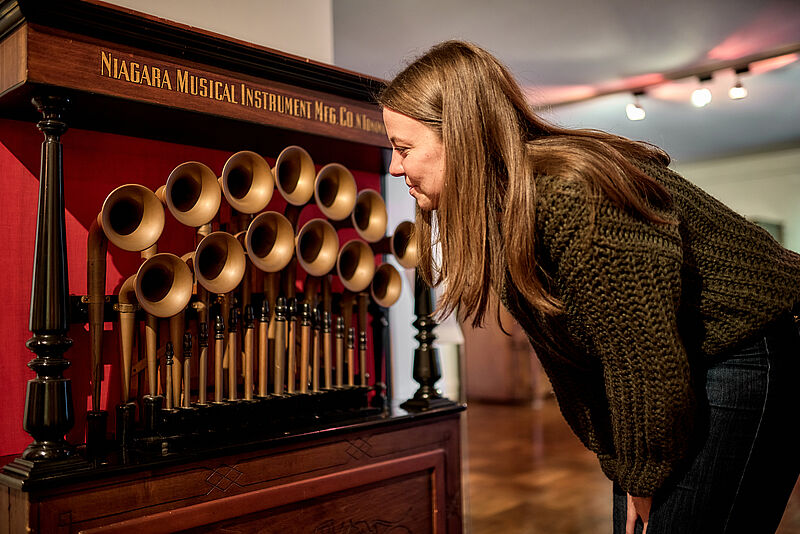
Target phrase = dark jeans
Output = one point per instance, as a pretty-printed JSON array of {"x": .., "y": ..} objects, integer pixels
[{"x": 747, "y": 457}]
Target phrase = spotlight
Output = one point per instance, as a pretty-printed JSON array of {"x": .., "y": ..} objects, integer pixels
[
  {"x": 634, "y": 110},
  {"x": 701, "y": 97},
  {"x": 738, "y": 91}
]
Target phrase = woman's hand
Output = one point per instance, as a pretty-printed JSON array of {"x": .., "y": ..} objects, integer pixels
[{"x": 638, "y": 507}]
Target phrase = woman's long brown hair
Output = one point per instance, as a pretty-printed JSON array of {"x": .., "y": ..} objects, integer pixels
[{"x": 494, "y": 147}]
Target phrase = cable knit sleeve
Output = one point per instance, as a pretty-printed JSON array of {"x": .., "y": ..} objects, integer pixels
[{"x": 619, "y": 278}]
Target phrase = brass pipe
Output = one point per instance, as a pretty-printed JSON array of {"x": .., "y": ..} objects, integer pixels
[
  {"x": 127, "y": 306},
  {"x": 280, "y": 346},
  {"x": 305, "y": 340},
  {"x": 401, "y": 244},
  {"x": 219, "y": 349},
  {"x": 315, "y": 353},
  {"x": 233, "y": 351},
  {"x": 187, "y": 369},
  {"x": 362, "y": 356},
  {"x": 177, "y": 326},
  {"x": 339, "y": 352},
  {"x": 249, "y": 327},
  {"x": 192, "y": 194},
  {"x": 168, "y": 354},
  {"x": 151, "y": 352},
  {"x": 350, "y": 356},
  {"x": 132, "y": 218},
  {"x": 317, "y": 247},
  {"x": 263, "y": 345},
  {"x": 326, "y": 349},
  {"x": 291, "y": 361},
  {"x": 202, "y": 378}
]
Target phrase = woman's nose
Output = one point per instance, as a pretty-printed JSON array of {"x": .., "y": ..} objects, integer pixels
[{"x": 395, "y": 168}]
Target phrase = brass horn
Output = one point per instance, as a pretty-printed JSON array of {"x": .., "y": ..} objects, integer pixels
[
  {"x": 192, "y": 194},
  {"x": 164, "y": 285},
  {"x": 247, "y": 182},
  {"x": 317, "y": 247},
  {"x": 132, "y": 218},
  {"x": 355, "y": 265},
  {"x": 295, "y": 175},
  {"x": 219, "y": 262},
  {"x": 369, "y": 216},
  {"x": 404, "y": 245},
  {"x": 270, "y": 241},
  {"x": 386, "y": 285},
  {"x": 335, "y": 191}
]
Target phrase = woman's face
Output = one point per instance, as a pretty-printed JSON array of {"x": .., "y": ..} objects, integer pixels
[{"x": 417, "y": 155}]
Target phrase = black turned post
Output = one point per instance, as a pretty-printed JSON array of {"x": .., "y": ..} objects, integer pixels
[
  {"x": 426, "y": 358},
  {"x": 49, "y": 411}
]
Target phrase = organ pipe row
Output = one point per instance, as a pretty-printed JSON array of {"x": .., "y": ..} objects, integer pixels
[{"x": 288, "y": 344}]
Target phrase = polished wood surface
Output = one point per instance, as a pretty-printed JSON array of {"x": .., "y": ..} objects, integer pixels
[
  {"x": 527, "y": 473},
  {"x": 380, "y": 475}
]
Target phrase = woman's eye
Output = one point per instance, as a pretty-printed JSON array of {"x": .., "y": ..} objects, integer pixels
[{"x": 401, "y": 150}]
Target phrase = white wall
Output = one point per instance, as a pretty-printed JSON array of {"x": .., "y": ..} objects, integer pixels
[
  {"x": 300, "y": 27},
  {"x": 764, "y": 186}
]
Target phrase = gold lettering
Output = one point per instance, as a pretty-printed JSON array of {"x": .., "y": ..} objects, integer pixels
[
  {"x": 272, "y": 102},
  {"x": 146, "y": 76},
  {"x": 135, "y": 72},
  {"x": 183, "y": 77},
  {"x": 123, "y": 71},
  {"x": 165, "y": 82},
  {"x": 203, "y": 87},
  {"x": 258, "y": 102},
  {"x": 105, "y": 61}
]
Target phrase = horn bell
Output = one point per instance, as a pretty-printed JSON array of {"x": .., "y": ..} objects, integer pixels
[
  {"x": 294, "y": 175},
  {"x": 369, "y": 216},
  {"x": 219, "y": 262},
  {"x": 247, "y": 182},
  {"x": 132, "y": 217},
  {"x": 317, "y": 247},
  {"x": 355, "y": 265},
  {"x": 386, "y": 285},
  {"x": 403, "y": 245},
  {"x": 270, "y": 241},
  {"x": 192, "y": 194},
  {"x": 335, "y": 191},
  {"x": 164, "y": 285}
]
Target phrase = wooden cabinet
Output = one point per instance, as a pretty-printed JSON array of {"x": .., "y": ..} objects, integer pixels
[
  {"x": 393, "y": 474},
  {"x": 111, "y": 72}
]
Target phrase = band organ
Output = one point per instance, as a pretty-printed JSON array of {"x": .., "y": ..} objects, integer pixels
[{"x": 250, "y": 339}]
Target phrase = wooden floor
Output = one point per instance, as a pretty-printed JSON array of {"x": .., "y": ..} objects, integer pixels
[{"x": 526, "y": 473}]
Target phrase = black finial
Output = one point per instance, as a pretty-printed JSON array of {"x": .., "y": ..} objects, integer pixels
[
  {"x": 202, "y": 336},
  {"x": 249, "y": 316},
  {"x": 326, "y": 322},
  {"x": 234, "y": 320},
  {"x": 362, "y": 340},
  {"x": 265, "y": 311},
  {"x": 339, "y": 327},
  {"x": 351, "y": 338},
  {"x": 305, "y": 314},
  {"x": 280, "y": 309},
  {"x": 169, "y": 353},
  {"x": 187, "y": 344},
  {"x": 219, "y": 327}
]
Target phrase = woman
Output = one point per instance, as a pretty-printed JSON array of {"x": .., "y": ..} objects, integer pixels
[{"x": 661, "y": 317}]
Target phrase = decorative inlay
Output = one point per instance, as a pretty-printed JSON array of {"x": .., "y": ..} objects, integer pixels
[
  {"x": 358, "y": 448},
  {"x": 376, "y": 526},
  {"x": 223, "y": 477}
]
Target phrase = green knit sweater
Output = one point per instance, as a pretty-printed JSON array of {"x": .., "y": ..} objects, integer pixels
[{"x": 644, "y": 304}]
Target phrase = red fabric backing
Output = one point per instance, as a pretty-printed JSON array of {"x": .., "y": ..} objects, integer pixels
[{"x": 94, "y": 164}]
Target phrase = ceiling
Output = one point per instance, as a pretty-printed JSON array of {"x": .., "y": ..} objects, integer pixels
[{"x": 594, "y": 53}]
